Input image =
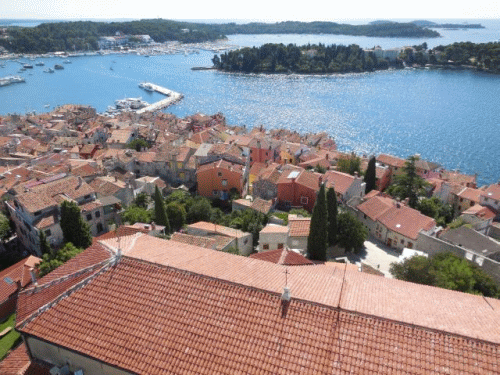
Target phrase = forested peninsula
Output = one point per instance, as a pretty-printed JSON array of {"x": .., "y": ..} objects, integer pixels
[
  {"x": 84, "y": 35},
  {"x": 321, "y": 59}
]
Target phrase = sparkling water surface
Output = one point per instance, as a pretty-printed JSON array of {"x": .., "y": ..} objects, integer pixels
[{"x": 450, "y": 117}]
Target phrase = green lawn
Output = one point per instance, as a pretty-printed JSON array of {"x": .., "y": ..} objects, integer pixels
[{"x": 11, "y": 338}]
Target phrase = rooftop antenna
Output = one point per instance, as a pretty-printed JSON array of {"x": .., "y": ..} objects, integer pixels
[{"x": 286, "y": 290}]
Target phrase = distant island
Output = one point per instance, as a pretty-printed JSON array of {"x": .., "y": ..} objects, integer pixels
[
  {"x": 321, "y": 59},
  {"x": 430, "y": 24},
  {"x": 85, "y": 35}
]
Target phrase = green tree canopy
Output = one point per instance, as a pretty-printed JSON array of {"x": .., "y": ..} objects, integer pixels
[
  {"x": 74, "y": 228},
  {"x": 138, "y": 144},
  {"x": 135, "y": 214},
  {"x": 44, "y": 244},
  {"x": 446, "y": 270},
  {"x": 433, "y": 207},
  {"x": 351, "y": 233},
  {"x": 5, "y": 228},
  {"x": 52, "y": 260},
  {"x": 351, "y": 165},
  {"x": 409, "y": 184},
  {"x": 142, "y": 200},
  {"x": 370, "y": 178},
  {"x": 317, "y": 242},
  {"x": 176, "y": 215}
]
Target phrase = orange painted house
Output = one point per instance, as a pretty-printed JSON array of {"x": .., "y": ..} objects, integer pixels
[
  {"x": 217, "y": 178},
  {"x": 262, "y": 151}
]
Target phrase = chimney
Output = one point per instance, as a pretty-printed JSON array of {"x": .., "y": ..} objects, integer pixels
[
  {"x": 153, "y": 225},
  {"x": 80, "y": 182},
  {"x": 33, "y": 277},
  {"x": 406, "y": 201},
  {"x": 286, "y": 294},
  {"x": 320, "y": 181}
]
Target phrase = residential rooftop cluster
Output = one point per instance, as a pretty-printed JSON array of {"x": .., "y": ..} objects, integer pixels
[{"x": 136, "y": 303}]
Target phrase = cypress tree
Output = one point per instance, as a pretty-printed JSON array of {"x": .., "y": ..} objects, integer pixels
[
  {"x": 161, "y": 217},
  {"x": 44, "y": 244},
  {"x": 331, "y": 203},
  {"x": 317, "y": 242},
  {"x": 74, "y": 228},
  {"x": 370, "y": 176}
]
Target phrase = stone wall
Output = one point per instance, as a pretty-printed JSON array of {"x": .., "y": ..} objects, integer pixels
[{"x": 432, "y": 245}]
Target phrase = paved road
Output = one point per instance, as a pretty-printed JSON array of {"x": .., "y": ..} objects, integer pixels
[{"x": 376, "y": 255}]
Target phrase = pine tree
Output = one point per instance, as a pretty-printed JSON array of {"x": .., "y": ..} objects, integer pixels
[
  {"x": 318, "y": 236},
  {"x": 370, "y": 176},
  {"x": 161, "y": 217},
  {"x": 74, "y": 228},
  {"x": 331, "y": 203}
]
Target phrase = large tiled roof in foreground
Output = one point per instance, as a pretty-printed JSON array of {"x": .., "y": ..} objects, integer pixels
[
  {"x": 186, "y": 309},
  {"x": 150, "y": 319}
]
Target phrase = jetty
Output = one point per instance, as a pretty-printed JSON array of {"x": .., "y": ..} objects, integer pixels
[{"x": 172, "y": 97}]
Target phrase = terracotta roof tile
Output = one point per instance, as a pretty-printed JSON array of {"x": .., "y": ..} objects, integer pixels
[
  {"x": 391, "y": 160},
  {"x": 471, "y": 194},
  {"x": 274, "y": 228},
  {"x": 18, "y": 363},
  {"x": 261, "y": 205},
  {"x": 201, "y": 241},
  {"x": 403, "y": 219},
  {"x": 43, "y": 195},
  {"x": 19, "y": 272},
  {"x": 284, "y": 257},
  {"x": 178, "y": 320},
  {"x": 492, "y": 192},
  {"x": 340, "y": 181},
  {"x": 219, "y": 229},
  {"x": 62, "y": 278},
  {"x": 299, "y": 226},
  {"x": 482, "y": 212}
]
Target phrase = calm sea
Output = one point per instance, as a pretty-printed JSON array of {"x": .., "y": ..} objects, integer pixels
[{"x": 448, "y": 117}]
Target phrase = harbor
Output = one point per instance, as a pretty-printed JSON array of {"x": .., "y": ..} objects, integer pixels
[{"x": 172, "y": 97}]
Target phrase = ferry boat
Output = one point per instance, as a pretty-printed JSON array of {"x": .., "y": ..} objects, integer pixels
[
  {"x": 58, "y": 67},
  {"x": 4, "y": 81}
]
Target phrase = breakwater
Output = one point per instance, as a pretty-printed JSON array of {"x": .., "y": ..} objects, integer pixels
[{"x": 172, "y": 97}]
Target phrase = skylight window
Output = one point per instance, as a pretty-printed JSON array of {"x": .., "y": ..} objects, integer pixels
[
  {"x": 8, "y": 280},
  {"x": 293, "y": 174}
]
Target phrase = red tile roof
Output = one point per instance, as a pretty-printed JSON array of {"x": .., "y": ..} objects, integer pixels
[
  {"x": 212, "y": 312},
  {"x": 219, "y": 229},
  {"x": 391, "y": 160},
  {"x": 18, "y": 363},
  {"x": 482, "y": 212},
  {"x": 340, "y": 181},
  {"x": 299, "y": 226},
  {"x": 17, "y": 273},
  {"x": 44, "y": 195},
  {"x": 492, "y": 192},
  {"x": 274, "y": 228},
  {"x": 201, "y": 241},
  {"x": 221, "y": 164},
  {"x": 56, "y": 282},
  {"x": 403, "y": 219},
  {"x": 284, "y": 257},
  {"x": 471, "y": 194}
]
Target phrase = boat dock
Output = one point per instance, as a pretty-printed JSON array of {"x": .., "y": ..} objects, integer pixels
[{"x": 172, "y": 97}]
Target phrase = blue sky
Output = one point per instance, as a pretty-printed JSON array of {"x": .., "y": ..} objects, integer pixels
[{"x": 256, "y": 10}]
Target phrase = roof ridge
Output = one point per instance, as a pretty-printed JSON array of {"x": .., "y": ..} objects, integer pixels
[{"x": 104, "y": 265}]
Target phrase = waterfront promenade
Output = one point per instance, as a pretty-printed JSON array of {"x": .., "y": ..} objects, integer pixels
[{"x": 172, "y": 97}]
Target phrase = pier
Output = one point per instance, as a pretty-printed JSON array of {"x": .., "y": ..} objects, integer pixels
[{"x": 172, "y": 97}]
